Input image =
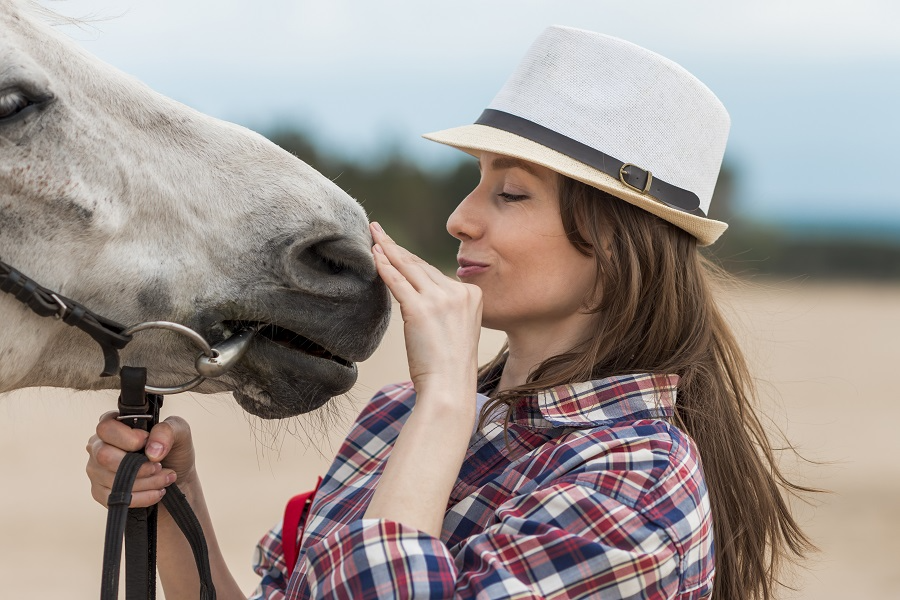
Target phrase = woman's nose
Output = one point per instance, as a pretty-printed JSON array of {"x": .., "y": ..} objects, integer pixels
[{"x": 465, "y": 223}]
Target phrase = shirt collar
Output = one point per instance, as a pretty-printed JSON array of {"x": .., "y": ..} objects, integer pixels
[{"x": 601, "y": 402}]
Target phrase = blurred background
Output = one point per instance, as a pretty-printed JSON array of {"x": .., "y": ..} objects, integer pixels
[{"x": 807, "y": 186}]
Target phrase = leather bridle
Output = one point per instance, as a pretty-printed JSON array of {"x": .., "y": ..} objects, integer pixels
[
  {"x": 47, "y": 303},
  {"x": 139, "y": 406}
]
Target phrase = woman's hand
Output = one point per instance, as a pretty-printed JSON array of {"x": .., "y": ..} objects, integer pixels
[
  {"x": 441, "y": 319},
  {"x": 171, "y": 452},
  {"x": 168, "y": 446},
  {"x": 441, "y": 324}
]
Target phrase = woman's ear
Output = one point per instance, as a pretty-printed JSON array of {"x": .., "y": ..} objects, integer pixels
[{"x": 607, "y": 247}]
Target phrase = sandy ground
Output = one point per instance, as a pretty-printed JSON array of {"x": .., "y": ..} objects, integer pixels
[{"x": 826, "y": 356}]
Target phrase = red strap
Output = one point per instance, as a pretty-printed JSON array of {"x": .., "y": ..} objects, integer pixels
[{"x": 295, "y": 514}]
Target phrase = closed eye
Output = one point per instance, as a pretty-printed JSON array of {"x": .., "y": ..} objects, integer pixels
[{"x": 512, "y": 197}]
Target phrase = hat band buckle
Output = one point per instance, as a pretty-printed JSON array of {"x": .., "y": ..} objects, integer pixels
[{"x": 647, "y": 185}]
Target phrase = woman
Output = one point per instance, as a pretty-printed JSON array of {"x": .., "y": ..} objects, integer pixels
[{"x": 566, "y": 467}]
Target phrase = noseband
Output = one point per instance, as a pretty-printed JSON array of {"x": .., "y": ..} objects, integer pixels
[{"x": 139, "y": 406}]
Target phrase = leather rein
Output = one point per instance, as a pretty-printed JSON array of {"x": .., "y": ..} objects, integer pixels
[{"x": 139, "y": 406}]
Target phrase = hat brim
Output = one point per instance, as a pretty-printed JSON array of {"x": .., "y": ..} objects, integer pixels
[{"x": 474, "y": 139}]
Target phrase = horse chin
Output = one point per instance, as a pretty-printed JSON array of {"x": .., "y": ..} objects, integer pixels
[
  {"x": 276, "y": 383},
  {"x": 259, "y": 402}
]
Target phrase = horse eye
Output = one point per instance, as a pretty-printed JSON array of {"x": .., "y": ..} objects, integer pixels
[{"x": 13, "y": 102}]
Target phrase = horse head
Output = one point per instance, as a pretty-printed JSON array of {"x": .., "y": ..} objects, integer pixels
[{"x": 141, "y": 209}]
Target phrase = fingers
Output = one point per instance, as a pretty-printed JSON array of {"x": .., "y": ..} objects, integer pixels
[
  {"x": 149, "y": 486},
  {"x": 147, "y": 489},
  {"x": 138, "y": 499},
  {"x": 417, "y": 272},
  {"x": 119, "y": 434},
  {"x": 165, "y": 435},
  {"x": 109, "y": 445},
  {"x": 410, "y": 278},
  {"x": 396, "y": 282},
  {"x": 109, "y": 457},
  {"x": 156, "y": 444}
]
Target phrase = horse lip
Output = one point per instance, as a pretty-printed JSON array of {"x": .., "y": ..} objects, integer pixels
[{"x": 290, "y": 340}]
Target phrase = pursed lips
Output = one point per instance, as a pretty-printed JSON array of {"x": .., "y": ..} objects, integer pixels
[{"x": 468, "y": 268}]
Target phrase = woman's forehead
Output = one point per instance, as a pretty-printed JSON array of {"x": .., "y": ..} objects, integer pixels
[{"x": 502, "y": 162}]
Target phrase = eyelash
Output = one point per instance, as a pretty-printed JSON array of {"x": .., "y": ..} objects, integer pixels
[{"x": 512, "y": 197}]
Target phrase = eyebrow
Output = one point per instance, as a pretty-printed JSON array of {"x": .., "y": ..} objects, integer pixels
[{"x": 508, "y": 162}]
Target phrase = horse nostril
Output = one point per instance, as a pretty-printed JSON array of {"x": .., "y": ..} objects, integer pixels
[
  {"x": 321, "y": 261},
  {"x": 339, "y": 256}
]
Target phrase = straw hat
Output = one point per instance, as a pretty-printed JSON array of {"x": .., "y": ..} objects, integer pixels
[{"x": 614, "y": 116}]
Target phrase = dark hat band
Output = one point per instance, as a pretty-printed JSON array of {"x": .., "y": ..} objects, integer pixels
[{"x": 631, "y": 175}]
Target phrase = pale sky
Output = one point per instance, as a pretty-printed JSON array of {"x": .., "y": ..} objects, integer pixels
[{"x": 812, "y": 86}]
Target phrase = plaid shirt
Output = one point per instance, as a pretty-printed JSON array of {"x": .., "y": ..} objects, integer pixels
[{"x": 591, "y": 494}]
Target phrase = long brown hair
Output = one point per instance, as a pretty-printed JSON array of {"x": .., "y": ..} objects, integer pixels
[{"x": 657, "y": 313}]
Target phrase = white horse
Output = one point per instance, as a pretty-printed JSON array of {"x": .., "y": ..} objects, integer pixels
[{"x": 140, "y": 209}]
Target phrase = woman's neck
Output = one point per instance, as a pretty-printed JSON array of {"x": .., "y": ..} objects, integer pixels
[{"x": 531, "y": 346}]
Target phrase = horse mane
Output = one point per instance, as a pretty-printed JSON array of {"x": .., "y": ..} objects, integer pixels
[{"x": 55, "y": 19}]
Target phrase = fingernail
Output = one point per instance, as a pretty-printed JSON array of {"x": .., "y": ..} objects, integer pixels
[
  {"x": 378, "y": 249},
  {"x": 377, "y": 227},
  {"x": 170, "y": 478},
  {"x": 154, "y": 450}
]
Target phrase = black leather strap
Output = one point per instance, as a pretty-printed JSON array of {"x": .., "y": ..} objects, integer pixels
[
  {"x": 631, "y": 175},
  {"x": 119, "y": 499},
  {"x": 137, "y": 408},
  {"x": 140, "y": 569},
  {"x": 140, "y": 554},
  {"x": 47, "y": 303},
  {"x": 187, "y": 522},
  {"x": 141, "y": 410}
]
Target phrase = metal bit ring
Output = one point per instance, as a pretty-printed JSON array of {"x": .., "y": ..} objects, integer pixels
[{"x": 189, "y": 333}]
